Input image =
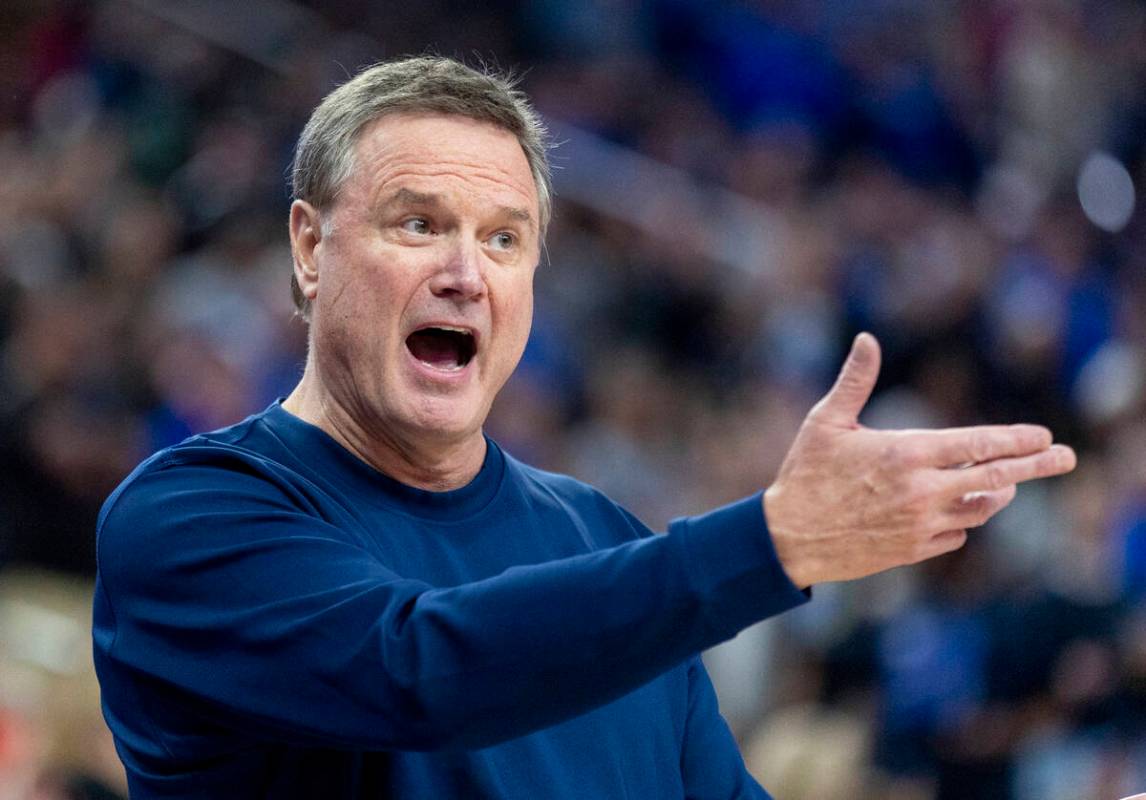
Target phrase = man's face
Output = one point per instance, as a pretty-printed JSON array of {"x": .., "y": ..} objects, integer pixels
[{"x": 422, "y": 283}]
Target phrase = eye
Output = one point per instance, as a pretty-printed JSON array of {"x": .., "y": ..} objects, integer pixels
[
  {"x": 417, "y": 225},
  {"x": 504, "y": 240}
]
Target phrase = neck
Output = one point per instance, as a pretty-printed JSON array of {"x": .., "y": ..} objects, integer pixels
[{"x": 424, "y": 464}]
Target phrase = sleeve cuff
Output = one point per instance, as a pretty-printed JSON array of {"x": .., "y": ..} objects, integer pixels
[{"x": 734, "y": 568}]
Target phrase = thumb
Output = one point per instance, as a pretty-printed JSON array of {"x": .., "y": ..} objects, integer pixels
[{"x": 845, "y": 400}]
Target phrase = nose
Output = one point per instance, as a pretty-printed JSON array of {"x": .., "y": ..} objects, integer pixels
[{"x": 460, "y": 275}]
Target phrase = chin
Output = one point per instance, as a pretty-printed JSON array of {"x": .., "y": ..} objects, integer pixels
[{"x": 447, "y": 418}]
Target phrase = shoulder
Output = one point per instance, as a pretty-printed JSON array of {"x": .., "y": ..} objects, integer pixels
[
  {"x": 198, "y": 487},
  {"x": 574, "y": 497},
  {"x": 554, "y": 484},
  {"x": 228, "y": 459}
]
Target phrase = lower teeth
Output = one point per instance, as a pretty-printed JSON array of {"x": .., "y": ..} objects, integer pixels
[{"x": 443, "y": 367}]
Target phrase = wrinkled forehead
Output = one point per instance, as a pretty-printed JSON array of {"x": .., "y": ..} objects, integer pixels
[{"x": 423, "y": 149}]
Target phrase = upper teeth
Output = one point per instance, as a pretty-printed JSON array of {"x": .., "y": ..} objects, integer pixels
[{"x": 453, "y": 329}]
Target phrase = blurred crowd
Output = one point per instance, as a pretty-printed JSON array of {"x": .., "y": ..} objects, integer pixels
[{"x": 956, "y": 176}]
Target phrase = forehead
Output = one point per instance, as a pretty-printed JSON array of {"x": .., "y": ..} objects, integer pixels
[{"x": 440, "y": 153}]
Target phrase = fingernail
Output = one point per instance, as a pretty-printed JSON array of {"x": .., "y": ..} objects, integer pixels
[{"x": 1066, "y": 455}]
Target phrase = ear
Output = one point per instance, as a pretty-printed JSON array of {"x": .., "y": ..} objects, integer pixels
[{"x": 305, "y": 236}]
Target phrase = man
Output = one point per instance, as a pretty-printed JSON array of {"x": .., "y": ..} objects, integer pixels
[{"x": 356, "y": 594}]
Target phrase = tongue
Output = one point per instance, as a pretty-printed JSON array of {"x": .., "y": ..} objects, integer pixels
[{"x": 439, "y": 348}]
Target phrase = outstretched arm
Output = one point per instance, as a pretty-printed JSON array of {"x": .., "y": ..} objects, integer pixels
[{"x": 217, "y": 586}]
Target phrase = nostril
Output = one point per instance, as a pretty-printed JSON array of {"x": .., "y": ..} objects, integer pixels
[{"x": 460, "y": 278}]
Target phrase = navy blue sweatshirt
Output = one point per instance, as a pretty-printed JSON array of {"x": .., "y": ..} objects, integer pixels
[{"x": 275, "y": 618}]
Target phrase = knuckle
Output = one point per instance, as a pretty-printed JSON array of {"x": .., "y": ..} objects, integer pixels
[
  {"x": 983, "y": 513},
  {"x": 978, "y": 508},
  {"x": 996, "y": 477},
  {"x": 914, "y": 452},
  {"x": 979, "y": 446},
  {"x": 892, "y": 457}
]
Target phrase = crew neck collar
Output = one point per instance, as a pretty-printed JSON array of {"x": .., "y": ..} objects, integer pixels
[{"x": 320, "y": 453}]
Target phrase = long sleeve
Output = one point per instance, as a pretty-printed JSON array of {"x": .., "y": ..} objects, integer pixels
[
  {"x": 711, "y": 765},
  {"x": 221, "y": 585}
]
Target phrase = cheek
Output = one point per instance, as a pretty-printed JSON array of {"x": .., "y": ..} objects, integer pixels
[
  {"x": 364, "y": 295},
  {"x": 512, "y": 309},
  {"x": 519, "y": 311}
]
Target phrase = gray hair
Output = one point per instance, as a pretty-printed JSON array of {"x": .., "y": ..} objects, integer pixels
[{"x": 324, "y": 156}]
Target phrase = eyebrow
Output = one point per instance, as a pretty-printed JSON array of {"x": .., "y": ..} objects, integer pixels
[{"x": 409, "y": 197}]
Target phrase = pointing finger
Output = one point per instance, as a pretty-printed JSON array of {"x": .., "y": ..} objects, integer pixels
[
  {"x": 944, "y": 448},
  {"x": 1001, "y": 473},
  {"x": 844, "y": 401}
]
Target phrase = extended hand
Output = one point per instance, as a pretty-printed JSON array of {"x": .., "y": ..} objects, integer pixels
[{"x": 850, "y": 501}]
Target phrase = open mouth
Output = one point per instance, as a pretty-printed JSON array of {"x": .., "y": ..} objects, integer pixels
[{"x": 447, "y": 349}]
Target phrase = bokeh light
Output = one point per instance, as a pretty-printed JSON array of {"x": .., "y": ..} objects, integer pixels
[{"x": 1106, "y": 192}]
